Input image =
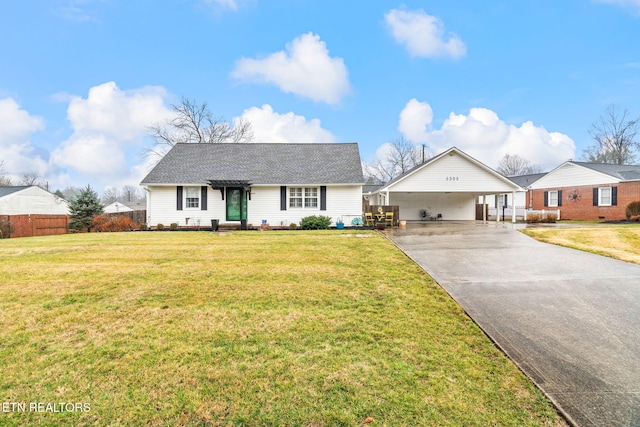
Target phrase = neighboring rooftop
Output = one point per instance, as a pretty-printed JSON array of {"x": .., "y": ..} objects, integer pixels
[
  {"x": 5, "y": 191},
  {"x": 371, "y": 188},
  {"x": 259, "y": 164},
  {"x": 622, "y": 172},
  {"x": 526, "y": 180}
]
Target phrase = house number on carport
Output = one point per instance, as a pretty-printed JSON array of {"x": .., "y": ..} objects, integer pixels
[{"x": 452, "y": 178}]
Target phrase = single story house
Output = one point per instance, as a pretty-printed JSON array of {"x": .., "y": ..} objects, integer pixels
[
  {"x": 446, "y": 186},
  {"x": 26, "y": 200},
  {"x": 587, "y": 191},
  {"x": 254, "y": 183}
]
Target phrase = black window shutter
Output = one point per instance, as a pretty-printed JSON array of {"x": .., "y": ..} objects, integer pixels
[
  {"x": 179, "y": 197},
  {"x": 559, "y": 197},
  {"x": 203, "y": 198},
  {"x": 595, "y": 196},
  {"x": 546, "y": 198},
  {"x": 614, "y": 196},
  {"x": 323, "y": 198},
  {"x": 283, "y": 198}
]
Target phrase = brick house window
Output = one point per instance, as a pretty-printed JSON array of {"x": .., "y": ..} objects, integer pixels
[
  {"x": 604, "y": 196},
  {"x": 553, "y": 198}
]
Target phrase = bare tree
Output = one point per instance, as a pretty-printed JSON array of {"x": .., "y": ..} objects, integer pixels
[
  {"x": 514, "y": 165},
  {"x": 71, "y": 192},
  {"x": 32, "y": 178},
  {"x": 194, "y": 123},
  {"x": 129, "y": 194},
  {"x": 615, "y": 135},
  {"x": 132, "y": 194},
  {"x": 5, "y": 180},
  {"x": 109, "y": 196},
  {"x": 401, "y": 156}
]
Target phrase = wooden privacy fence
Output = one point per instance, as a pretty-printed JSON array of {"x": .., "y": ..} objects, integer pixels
[
  {"x": 33, "y": 225},
  {"x": 138, "y": 217}
]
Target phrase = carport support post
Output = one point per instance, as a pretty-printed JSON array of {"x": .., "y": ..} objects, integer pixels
[
  {"x": 484, "y": 208},
  {"x": 513, "y": 207}
]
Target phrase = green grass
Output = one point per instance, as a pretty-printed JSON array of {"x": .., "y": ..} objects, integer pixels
[
  {"x": 620, "y": 241},
  {"x": 249, "y": 328}
]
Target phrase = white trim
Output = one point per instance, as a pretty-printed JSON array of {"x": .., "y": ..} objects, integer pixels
[
  {"x": 600, "y": 202},
  {"x": 303, "y": 197},
  {"x": 185, "y": 204}
]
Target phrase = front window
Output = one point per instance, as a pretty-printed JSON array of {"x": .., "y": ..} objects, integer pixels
[
  {"x": 310, "y": 197},
  {"x": 303, "y": 197},
  {"x": 604, "y": 196},
  {"x": 295, "y": 197},
  {"x": 193, "y": 197},
  {"x": 553, "y": 198}
]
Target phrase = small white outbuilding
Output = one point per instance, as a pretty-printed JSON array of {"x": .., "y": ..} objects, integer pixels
[{"x": 23, "y": 200}]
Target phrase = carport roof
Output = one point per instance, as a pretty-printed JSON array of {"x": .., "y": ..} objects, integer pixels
[{"x": 508, "y": 184}]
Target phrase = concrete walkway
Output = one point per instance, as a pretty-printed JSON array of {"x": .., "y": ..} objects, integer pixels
[{"x": 569, "y": 319}]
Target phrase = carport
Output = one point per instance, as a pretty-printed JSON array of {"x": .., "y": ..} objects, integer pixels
[{"x": 448, "y": 184}]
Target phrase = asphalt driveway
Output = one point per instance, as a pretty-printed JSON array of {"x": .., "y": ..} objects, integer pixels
[{"x": 569, "y": 319}]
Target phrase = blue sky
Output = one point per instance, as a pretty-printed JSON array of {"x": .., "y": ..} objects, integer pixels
[{"x": 81, "y": 80}]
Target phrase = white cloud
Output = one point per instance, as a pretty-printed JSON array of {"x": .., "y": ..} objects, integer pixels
[
  {"x": 303, "y": 68},
  {"x": 414, "y": 120},
  {"x": 224, "y": 4},
  {"x": 269, "y": 126},
  {"x": 423, "y": 35},
  {"x": 105, "y": 124},
  {"x": 16, "y": 150},
  {"x": 484, "y": 136},
  {"x": 628, "y": 4}
]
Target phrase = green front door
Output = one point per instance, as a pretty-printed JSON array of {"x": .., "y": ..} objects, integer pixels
[{"x": 236, "y": 204}]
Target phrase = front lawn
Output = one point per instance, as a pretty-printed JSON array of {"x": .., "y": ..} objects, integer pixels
[
  {"x": 615, "y": 241},
  {"x": 244, "y": 328}
]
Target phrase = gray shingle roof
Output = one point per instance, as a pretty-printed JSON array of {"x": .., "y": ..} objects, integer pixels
[
  {"x": 259, "y": 164},
  {"x": 5, "y": 191},
  {"x": 526, "y": 180},
  {"x": 622, "y": 172}
]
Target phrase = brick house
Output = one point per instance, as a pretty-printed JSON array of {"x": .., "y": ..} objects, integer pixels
[{"x": 586, "y": 191}]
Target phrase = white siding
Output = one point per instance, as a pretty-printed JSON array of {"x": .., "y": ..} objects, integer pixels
[
  {"x": 453, "y": 173},
  {"x": 572, "y": 175},
  {"x": 162, "y": 209},
  {"x": 452, "y": 206},
  {"x": 342, "y": 201},
  {"x": 33, "y": 200}
]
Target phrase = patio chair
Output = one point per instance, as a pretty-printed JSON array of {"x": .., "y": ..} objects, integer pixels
[
  {"x": 389, "y": 218},
  {"x": 368, "y": 219}
]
